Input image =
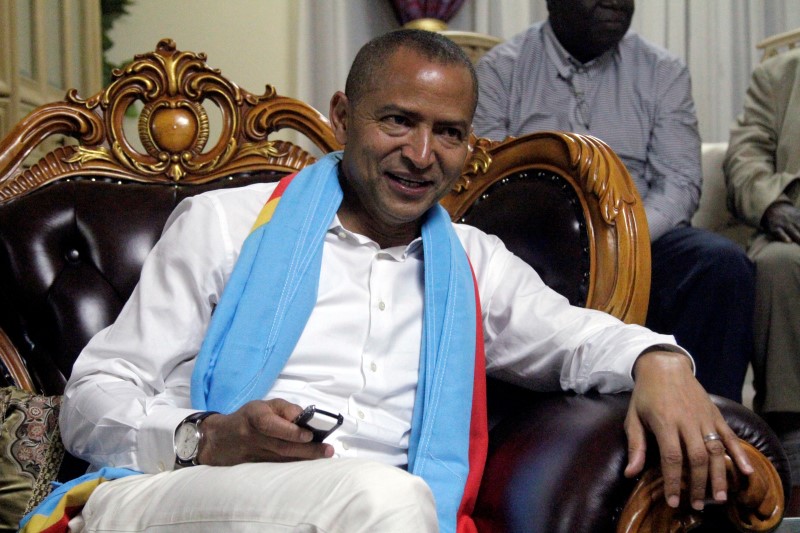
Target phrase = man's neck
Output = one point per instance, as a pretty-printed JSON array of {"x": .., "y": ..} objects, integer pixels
[
  {"x": 579, "y": 54},
  {"x": 354, "y": 217},
  {"x": 576, "y": 45},
  {"x": 385, "y": 238}
]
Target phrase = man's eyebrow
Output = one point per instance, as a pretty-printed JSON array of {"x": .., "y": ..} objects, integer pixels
[
  {"x": 455, "y": 124},
  {"x": 394, "y": 108},
  {"x": 414, "y": 115}
]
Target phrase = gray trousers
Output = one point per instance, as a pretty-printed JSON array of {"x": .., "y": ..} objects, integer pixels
[{"x": 776, "y": 326}]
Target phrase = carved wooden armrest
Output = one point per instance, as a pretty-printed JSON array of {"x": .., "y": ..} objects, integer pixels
[
  {"x": 14, "y": 364},
  {"x": 755, "y": 502}
]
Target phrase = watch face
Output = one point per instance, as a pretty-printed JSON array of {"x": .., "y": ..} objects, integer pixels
[{"x": 186, "y": 440}]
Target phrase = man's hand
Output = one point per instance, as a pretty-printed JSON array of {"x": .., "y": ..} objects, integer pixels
[
  {"x": 259, "y": 431},
  {"x": 669, "y": 401},
  {"x": 782, "y": 221}
]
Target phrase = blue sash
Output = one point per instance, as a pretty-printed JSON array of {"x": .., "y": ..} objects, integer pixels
[
  {"x": 264, "y": 309},
  {"x": 273, "y": 289}
]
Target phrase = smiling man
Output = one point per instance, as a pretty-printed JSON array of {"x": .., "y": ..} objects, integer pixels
[
  {"x": 407, "y": 156},
  {"x": 583, "y": 70},
  {"x": 348, "y": 287}
]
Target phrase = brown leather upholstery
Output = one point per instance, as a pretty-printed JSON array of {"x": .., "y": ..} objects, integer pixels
[
  {"x": 77, "y": 225},
  {"x": 73, "y": 259},
  {"x": 566, "y": 204},
  {"x": 75, "y": 228}
]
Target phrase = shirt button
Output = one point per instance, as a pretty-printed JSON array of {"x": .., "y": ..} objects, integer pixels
[
  {"x": 381, "y": 306},
  {"x": 361, "y": 415},
  {"x": 345, "y": 446},
  {"x": 161, "y": 466},
  {"x": 373, "y": 367},
  {"x": 341, "y": 234}
]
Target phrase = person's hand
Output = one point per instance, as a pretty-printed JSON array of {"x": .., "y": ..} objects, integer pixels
[
  {"x": 782, "y": 221},
  {"x": 670, "y": 402},
  {"x": 259, "y": 431}
]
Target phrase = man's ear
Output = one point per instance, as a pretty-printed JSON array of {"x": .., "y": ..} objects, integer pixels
[{"x": 339, "y": 116}]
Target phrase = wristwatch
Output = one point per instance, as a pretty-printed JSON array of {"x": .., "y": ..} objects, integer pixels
[{"x": 186, "y": 440}]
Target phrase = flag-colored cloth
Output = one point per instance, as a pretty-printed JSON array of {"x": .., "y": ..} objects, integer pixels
[
  {"x": 272, "y": 291},
  {"x": 67, "y": 500}
]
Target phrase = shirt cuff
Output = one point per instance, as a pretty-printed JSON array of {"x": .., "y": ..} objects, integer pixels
[{"x": 155, "y": 443}]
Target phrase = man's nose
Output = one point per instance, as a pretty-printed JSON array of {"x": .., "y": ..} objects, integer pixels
[{"x": 419, "y": 148}]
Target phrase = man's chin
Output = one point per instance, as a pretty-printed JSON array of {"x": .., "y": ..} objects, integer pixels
[
  {"x": 604, "y": 42},
  {"x": 406, "y": 217}
]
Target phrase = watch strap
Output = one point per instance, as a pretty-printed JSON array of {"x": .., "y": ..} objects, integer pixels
[{"x": 194, "y": 419}]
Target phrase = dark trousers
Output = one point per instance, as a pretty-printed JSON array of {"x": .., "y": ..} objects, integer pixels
[{"x": 702, "y": 292}]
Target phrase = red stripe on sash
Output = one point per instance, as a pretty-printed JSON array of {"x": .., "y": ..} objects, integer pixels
[
  {"x": 278, "y": 192},
  {"x": 478, "y": 428},
  {"x": 62, "y": 525}
]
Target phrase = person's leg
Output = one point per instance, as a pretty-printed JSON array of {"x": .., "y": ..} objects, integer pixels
[
  {"x": 777, "y": 350},
  {"x": 326, "y": 495},
  {"x": 776, "y": 326},
  {"x": 702, "y": 292}
]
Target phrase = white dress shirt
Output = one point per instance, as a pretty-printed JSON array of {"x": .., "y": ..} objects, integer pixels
[{"x": 358, "y": 354}]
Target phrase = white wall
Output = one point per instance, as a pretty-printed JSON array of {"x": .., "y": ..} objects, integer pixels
[{"x": 250, "y": 41}]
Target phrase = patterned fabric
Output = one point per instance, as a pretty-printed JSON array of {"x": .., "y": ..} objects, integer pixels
[{"x": 30, "y": 442}]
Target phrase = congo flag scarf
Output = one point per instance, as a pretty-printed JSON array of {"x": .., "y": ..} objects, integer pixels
[
  {"x": 269, "y": 298},
  {"x": 271, "y": 293}
]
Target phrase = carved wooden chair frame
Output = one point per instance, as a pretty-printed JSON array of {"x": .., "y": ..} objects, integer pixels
[
  {"x": 615, "y": 222},
  {"x": 173, "y": 128}
]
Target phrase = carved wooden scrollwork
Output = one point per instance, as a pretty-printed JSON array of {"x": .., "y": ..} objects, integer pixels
[
  {"x": 14, "y": 364},
  {"x": 174, "y": 90},
  {"x": 623, "y": 274},
  {"x": 594, "y": 160},
  {"x": 616, "y": 225},
  {"x": 755, "y": 503},
  {"x": 477, "y": 163}
]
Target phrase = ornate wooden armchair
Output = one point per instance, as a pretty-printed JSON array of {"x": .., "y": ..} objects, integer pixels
[{"x": 76, "y": 226}]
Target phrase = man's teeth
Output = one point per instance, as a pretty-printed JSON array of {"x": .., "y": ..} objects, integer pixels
[{"x": 408, "y": 183}]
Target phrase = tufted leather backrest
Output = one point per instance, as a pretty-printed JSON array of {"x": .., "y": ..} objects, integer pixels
[
  {"x": 76, "y": 226},
  {"x": 564, "y": 203},
  {"x": 538, "y": 216},
  {"x": 70, "y": 256}
]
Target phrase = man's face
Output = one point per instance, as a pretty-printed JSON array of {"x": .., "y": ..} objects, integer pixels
[
  {"x": 587, "y": 28},
  {"x": 406, "y": 140}
]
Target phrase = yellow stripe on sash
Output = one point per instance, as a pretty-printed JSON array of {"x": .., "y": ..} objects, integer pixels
[
  {"x": 266, "y": 213},
  {"x": 269, "y": 208},
  {"x": 76, "y": 497}
]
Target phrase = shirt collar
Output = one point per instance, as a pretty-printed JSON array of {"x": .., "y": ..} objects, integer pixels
[{"x": 398, "y": 252}]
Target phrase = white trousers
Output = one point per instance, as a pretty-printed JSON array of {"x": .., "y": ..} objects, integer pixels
[{"x": 325, "y": 495}]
